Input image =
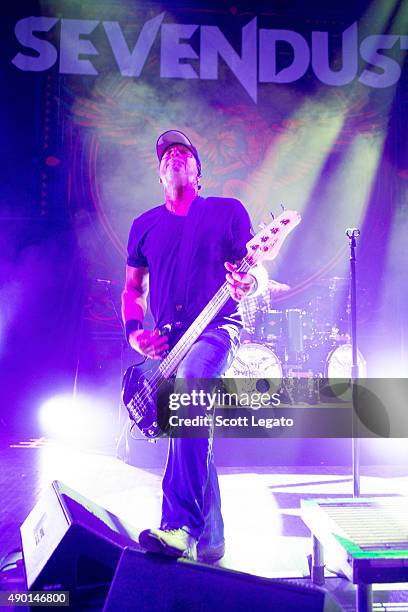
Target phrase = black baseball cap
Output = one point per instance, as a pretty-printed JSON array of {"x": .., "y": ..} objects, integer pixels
[{"x": 172, "y": 137}]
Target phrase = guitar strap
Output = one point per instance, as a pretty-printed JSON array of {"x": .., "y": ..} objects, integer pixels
[{"x": 184, "y": 259}]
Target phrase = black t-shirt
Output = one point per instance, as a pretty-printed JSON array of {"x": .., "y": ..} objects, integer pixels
[{"x": 220, "y": 230}]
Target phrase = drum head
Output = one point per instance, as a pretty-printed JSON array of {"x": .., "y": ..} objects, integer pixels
[
  {"x": 253, "y": 368},
  {"x": 340, "y": 360},
  {"x": 254, "y": 361}
]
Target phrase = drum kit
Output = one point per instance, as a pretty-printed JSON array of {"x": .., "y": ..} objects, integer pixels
[{"x": 310, "y": 342}]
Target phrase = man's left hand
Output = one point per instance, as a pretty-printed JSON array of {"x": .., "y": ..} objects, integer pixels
[{"x": 239, "y": 283}]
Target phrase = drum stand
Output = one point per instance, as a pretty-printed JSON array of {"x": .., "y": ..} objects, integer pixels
[{"x": 352, "y": 234}]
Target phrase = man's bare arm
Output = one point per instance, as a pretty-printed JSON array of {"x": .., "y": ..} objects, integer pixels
[
  {"x": 134, "y": 296},
  {"x": 134, "y": 305}
]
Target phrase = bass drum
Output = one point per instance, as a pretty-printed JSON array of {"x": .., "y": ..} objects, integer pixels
[
  {"x": 258, "y": 364},
  {"x": 340, "y": 360}
]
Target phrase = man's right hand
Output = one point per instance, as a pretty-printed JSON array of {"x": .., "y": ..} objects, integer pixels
[{"x": 149, "y": 343}]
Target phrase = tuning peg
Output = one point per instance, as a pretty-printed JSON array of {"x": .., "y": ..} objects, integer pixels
[
  {"x": 262, "y": 226},
  {"x": 272, "y": 215},
  {"x": 282, "y": 207}
]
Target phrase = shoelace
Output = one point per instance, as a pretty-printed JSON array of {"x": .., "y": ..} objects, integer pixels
[{"x": 174, "y": 531}]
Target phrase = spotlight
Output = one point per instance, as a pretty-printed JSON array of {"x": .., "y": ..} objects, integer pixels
[{"x": 73, "y": 418}]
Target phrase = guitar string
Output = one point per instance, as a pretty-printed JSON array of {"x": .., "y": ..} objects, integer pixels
[
  {"x": 181, "y": 348},
  {"x": 206, "y": 315},
  {"x": 215, "y": 304},
  {"x": 195, "y": 329}
]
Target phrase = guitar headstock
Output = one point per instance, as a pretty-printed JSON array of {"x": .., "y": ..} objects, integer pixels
[{"x": 267, "y": 243}]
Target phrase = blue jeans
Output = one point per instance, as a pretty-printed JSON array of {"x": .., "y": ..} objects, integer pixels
[{"x": 191, "y": 494}]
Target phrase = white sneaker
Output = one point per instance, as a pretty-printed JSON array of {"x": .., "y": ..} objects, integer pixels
[{"x": 174, "y": 542}]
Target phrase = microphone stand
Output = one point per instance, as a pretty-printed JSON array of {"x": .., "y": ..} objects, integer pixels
[{"x": 353, "y": 233}]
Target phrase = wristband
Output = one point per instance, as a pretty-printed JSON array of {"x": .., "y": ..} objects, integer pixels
[
  {"x": 254, "y": 287},
  {"x": 131, "y": 326}
]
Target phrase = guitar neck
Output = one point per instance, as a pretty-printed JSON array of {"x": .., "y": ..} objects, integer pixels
[
  {"x": 171, "y": 362},
  {"x": 265, "y": 245}
]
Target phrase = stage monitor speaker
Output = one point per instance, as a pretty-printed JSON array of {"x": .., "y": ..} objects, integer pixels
[
  {"x": 70, "y": 543},
  {"x": 155, "y": 583}
]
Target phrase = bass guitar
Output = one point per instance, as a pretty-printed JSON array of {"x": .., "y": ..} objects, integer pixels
[{"x": 140, "y": 390}]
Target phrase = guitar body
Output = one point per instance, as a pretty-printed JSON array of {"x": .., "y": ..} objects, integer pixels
[{"x": 146, "y": 406}]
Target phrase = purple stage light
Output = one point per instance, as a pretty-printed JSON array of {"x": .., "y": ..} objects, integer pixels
[{"x": 76, "y": 418}]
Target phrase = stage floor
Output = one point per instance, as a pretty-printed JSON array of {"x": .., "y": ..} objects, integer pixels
[{"x": 261, "y": 506}]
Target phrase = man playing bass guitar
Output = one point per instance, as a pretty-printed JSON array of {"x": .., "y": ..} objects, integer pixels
[{"x": 214, "y": 231}]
